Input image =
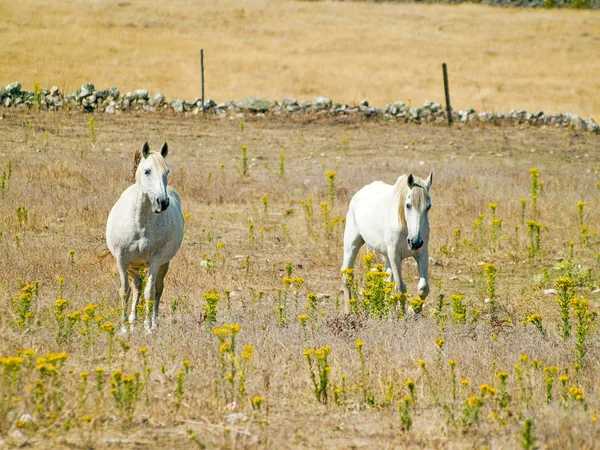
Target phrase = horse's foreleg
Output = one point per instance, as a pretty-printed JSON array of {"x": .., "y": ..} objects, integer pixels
[
  {"x": 137, "y": 290},
  {"x": 388, "y": 268},
  {"x": 150, "y": 294},
  {"x": 394, "y": 258},
  {"x": 352, "y": 244},
  {"x": 423, "y": 267},
  {"x": 160, "y": 284},
  {"x": 124, "y": 290}
]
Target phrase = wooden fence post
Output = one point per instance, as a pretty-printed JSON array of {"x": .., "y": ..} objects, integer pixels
[
  {"x": 447, "y": 92},
  {"x": 202, "y": 76}
]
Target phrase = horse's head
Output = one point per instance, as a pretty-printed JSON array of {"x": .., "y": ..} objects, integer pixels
[
  {"x": 151, "y": 174},
  {"x": 416, "y": 207}
]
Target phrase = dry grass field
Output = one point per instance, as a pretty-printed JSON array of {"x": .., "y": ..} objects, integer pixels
[
  {"x": 59, "y": 183},
  {"x": 499, "y": 58}
]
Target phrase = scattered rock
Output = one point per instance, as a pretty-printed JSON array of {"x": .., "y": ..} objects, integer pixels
[
  {"x": 321, "y": 103},
  {"x": 208, "y": 104},
  {"x": 85, "y": 91},
  {"x": 158, "y": 99},
  {"x": 254, "y": 104},
  {"x": 414, "y": 113},
  {"x": 177, "y": 105},
  {"x": 371, "y": 111},
  {"x": 13, "y": 89},
  {"x": 140, "y": 94},
  {"x": 289, "y": 102},
  {"x": 550, "y": 292}
]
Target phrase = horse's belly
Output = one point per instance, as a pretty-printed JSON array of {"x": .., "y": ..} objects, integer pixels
[{"x": 374, "y": 240}]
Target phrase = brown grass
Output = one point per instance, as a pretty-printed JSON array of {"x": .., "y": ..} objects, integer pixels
[
  {"x": 69, "y": 184},
  {"x": 499, "y": 58}
]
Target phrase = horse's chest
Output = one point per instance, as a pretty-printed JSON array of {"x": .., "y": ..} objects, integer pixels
[{"x": 141, "y": 245}]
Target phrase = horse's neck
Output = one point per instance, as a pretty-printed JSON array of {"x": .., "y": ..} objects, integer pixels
[{"x": 142, "y": 207}]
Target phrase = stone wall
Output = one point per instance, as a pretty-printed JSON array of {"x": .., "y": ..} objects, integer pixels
[
  {"x": 112, "y": 101},
  {"x": 594, "y": 4}
]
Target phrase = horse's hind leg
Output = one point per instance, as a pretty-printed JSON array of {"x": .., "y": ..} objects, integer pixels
[
  {"x": 124, "y": 289},
  {"x": 154, "y": 288},
  {"x": 137, "y": 290},
  {"x": 160, "y": 284},
  {"x": 353, "y": 241},
  {"x": 150, "y": 293}
]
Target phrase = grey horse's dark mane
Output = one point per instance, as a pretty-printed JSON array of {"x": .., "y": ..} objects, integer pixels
[{"x": 136, "y": 162}]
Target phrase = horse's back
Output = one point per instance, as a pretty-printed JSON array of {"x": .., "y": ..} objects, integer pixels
[
  {"x": 373, "y": 214},
  {"x": 370, "y": 195}
]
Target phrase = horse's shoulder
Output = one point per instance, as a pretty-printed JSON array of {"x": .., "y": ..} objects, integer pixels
[
  {"x": 173, "y": 192},
  {"x": 174, "y": 195}
]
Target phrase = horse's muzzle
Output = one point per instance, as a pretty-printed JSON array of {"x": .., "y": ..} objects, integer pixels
[
  {"x": 414, "y": 244},
  {"x": 161, "y": 205}
]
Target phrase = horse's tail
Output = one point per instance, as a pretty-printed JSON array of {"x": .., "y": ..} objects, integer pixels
[
  {"x": 102, "y": 253},
  {"x": 136, "y": 162}
]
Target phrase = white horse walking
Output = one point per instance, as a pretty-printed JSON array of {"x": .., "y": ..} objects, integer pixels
[
  {"x": 392, "y": 220},
  {"x": 145, "y": 229}
]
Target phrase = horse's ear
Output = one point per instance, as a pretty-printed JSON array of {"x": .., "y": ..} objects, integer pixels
[
  {"x": 410, "y": 180},
  {"x": 164, "y": 150},
  {"x": 429, "y": 180},
  {"x": 145, "y": 150}
]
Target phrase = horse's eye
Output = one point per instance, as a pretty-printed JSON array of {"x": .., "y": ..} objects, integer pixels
[
  {"x": 147, "y": 172},
  {"x": 408, "y": 206}
]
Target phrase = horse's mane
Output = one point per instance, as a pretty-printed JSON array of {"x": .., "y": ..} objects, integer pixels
[
  {"x": 157, "y": 160},
  {"x": 419, "y": 196},
  {"x": 136, "y": 162}
]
